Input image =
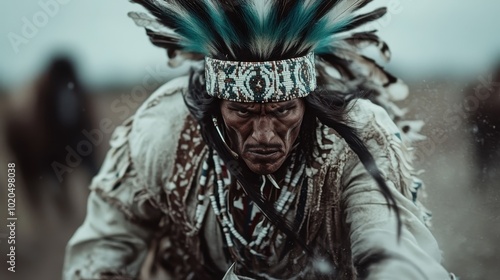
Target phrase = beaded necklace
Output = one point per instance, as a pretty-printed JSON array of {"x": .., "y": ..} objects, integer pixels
[{"x": 217, "y": 197}]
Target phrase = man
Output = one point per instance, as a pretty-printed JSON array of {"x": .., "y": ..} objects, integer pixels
[{"x": 273, "y": 170}]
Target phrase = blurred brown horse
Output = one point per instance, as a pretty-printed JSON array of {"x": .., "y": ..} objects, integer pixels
[{"x": 49, "y": 119}]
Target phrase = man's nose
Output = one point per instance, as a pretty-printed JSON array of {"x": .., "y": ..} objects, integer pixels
[{"x": 263, "y": 130}]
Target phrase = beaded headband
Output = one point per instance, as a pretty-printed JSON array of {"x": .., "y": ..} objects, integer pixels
[{"x": 268, "y": 81}]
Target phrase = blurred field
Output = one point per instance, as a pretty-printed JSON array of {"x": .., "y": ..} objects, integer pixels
[{"x": 466, "y": 208}]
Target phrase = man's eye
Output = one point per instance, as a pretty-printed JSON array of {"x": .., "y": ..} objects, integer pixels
[
  {"x": 282, "y": 111},
  {"x": 242, "y": 113}
]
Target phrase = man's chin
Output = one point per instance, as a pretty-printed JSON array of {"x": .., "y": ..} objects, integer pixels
[{"x": 264, "y": 168}]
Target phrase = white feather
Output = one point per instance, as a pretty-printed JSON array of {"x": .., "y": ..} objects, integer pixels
[
  {"x": 215, "y": 7},
  {"x": 212, "y": 3},
  {"x": 175, "y": 8},
  {"x": 308, "y": 3},
  {"x": 293, "y": 44},
  {"x": 169, "y": 6},
  {"x": 263, "y": 46},
  {"x": 398, "y": 91},
  {"x": 413, "y": 130},
  {"x": 262, "y": 8},
  {"x": 343, "y": 10},
  {"x": 144, "y": 20}
]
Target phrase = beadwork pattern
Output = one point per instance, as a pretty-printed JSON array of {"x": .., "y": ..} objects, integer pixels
[
  {"x": 267, "y": 81},
  {"x": 219, "y": 205}
]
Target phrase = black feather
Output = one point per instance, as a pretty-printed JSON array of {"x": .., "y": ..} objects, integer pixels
[
  {"x": 233, "y": 10},
  {"x": 390, "y": 78},
  {"x": 200, "y": 9},
  {"x": 358, "y": 39},
  {"x": 163, "y": 41},
  {"x": 366, "y": 2},
  {"x": 170, "y": 20},
  {"x": 363, "y": 19},
  {"x": 284, "y": 7},
  {"x": 340, "y": 64},
  {"x": 363, "y": 37},
  {"x": 323, "y": 8}
]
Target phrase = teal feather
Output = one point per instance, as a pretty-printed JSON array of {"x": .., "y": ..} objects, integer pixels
[
  {"x": 257, "y": 29},
  {"x": 322, "y": 34},
  {"x": 297, "y": 20},
  {"x": 222, "y": 24},
  {"x": 263, "y": 29}
]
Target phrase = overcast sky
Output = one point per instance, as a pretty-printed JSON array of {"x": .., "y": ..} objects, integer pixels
[{"x": 427, "y": 38}]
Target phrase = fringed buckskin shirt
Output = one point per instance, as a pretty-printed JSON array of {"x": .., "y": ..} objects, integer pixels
[{"x": 140, "y": 218}]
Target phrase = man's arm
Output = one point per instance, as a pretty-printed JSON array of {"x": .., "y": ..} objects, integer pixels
[
  {"x": 377, "y": 251},
  {"x": 125, "y": 206},
  {"x": 120, "y": 221},
  {"x": 107, "y": 244}
]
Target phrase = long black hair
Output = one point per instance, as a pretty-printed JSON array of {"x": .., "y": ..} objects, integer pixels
[{"x": 326, "y": 106}]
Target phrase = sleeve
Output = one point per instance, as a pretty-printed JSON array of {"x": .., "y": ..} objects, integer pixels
[
  {"x": 126, "y": 206},
  {"x": 120, "y": 221},
  {"x": 377, "y": 252}
]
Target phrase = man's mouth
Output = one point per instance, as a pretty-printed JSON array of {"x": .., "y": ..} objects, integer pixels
[{"x": 263, "y": 154}]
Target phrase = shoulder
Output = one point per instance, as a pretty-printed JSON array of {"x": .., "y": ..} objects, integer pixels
[
  {"x": 165, "y": 103},
  {"x": 157, "y": 126},
  {"x": 376, "y": 131},
  {"x": 160, "y": 116},
  {"x": 383, "y": 140},
  {"x": 371, "y": 122},
  {"x": 369, "y": 118}
]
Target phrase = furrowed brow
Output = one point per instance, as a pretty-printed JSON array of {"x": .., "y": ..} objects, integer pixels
[
  {"x": 283, "y": 107},
  {"x": 237, "y": 106}
]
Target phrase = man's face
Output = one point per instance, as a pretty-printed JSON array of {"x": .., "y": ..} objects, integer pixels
[{"x": 263, "y": 134}]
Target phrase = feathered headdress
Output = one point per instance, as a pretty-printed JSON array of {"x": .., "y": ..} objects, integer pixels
[{"x": 274, "y": 50}]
